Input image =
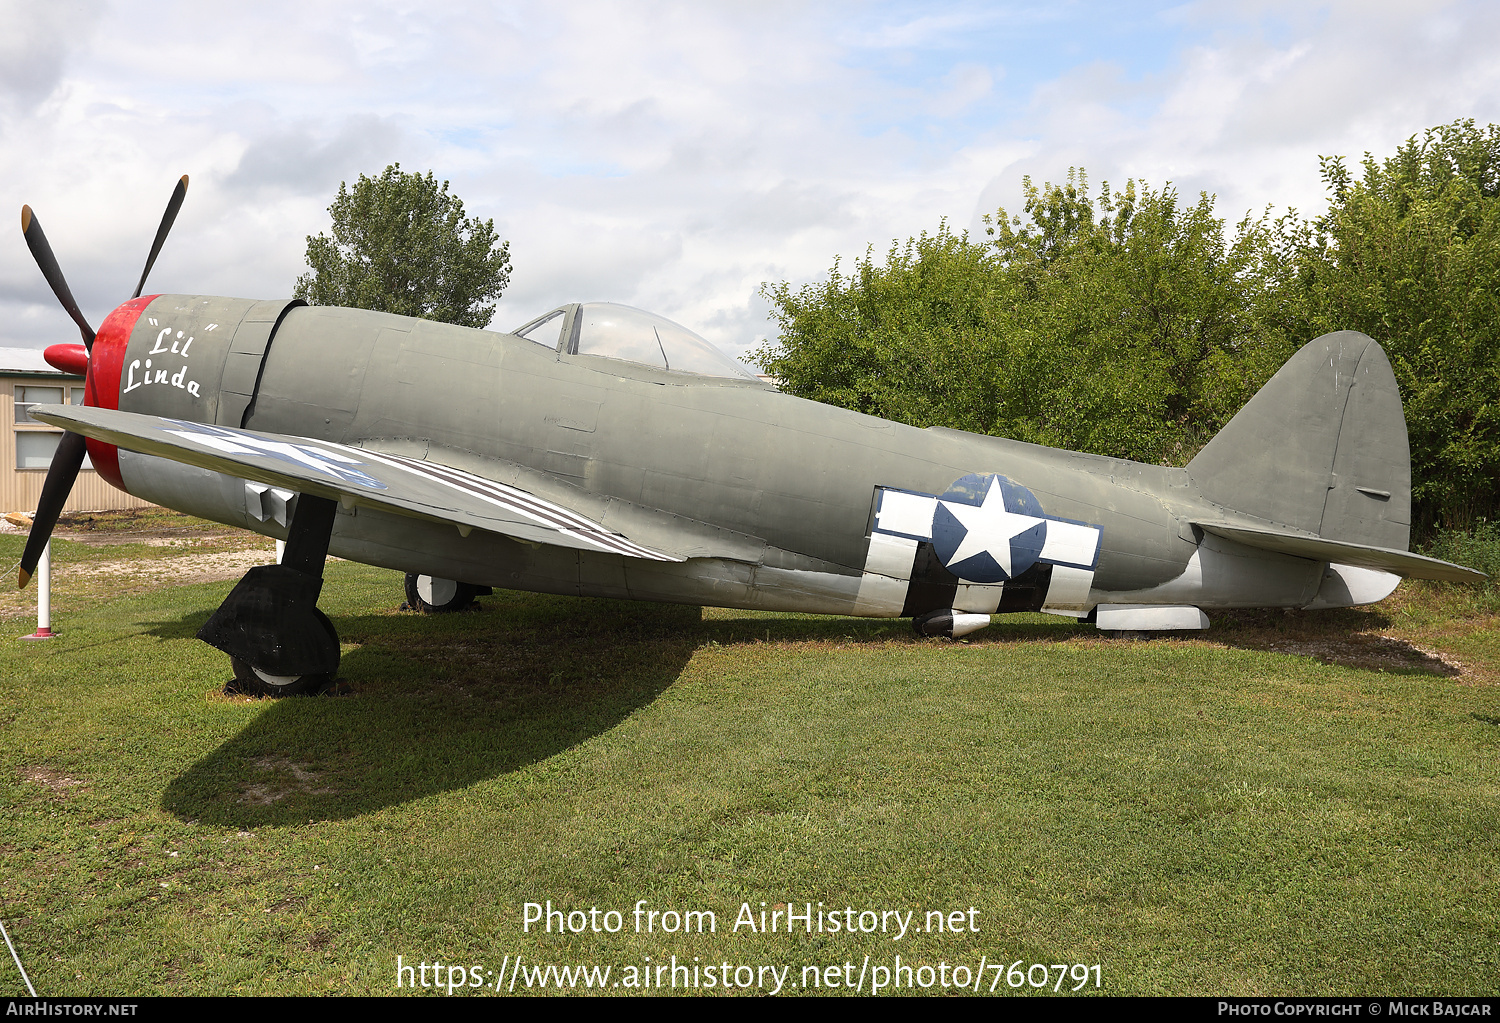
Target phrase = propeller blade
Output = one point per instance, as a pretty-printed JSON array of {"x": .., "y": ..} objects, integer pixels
[
  {"x": 173, "y": 205},
  {"x": 36, "y": 241},
  {"x": 60, "y": 476}
]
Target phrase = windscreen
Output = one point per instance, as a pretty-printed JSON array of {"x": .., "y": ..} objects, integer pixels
[
  {"x": 546, "y": 330},
  {"x": 622, "y": 332}
]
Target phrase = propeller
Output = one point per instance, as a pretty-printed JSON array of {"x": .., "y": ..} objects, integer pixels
[
  {"x": 36, "y": 241},
  {"x": 173, "y": 205},
  {"x": 60, "y": 476},
  {"x": 68, "y": 459}
]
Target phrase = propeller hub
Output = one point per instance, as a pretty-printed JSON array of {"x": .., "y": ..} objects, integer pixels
[{"x": 68, "y": 358}]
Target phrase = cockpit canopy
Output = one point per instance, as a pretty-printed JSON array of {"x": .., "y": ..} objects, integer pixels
[{"x": 616, "y": 331}]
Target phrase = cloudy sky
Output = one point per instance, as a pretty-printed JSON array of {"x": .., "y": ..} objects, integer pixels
[{"x": 673, "y": 156}]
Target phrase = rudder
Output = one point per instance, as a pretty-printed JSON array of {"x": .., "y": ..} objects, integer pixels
[{"x": 1321, "y": 448}]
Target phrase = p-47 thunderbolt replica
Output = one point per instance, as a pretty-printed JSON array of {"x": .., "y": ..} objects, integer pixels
[{"x": 604, "y": 451}]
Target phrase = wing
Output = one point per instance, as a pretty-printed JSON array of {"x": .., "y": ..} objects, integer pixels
[
  {"x": 1315, "y": 548},
  {"x": 354, "y": 476}
]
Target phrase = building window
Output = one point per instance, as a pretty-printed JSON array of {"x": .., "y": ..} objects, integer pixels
[
  {"x": 34, "y": 448},
  {"x": 36, "y": 442},
  {"x": 28, "y": 396}
]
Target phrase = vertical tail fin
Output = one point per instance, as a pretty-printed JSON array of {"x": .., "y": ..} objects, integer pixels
[{"x": 1321, "y": 448}]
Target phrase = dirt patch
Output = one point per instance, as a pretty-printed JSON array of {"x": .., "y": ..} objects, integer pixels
[
  {"x": 153, "y": 520},
  {"x": 1368, "y": 652},
  {"x": 286, "y": 778},
  {"x": 59, "y": 783},
  {"x": 165, "y": 538},
  {"x": 149, "y": 541},
  {"x": 140, "y": 525},
  {"x": 190, "y": 568}
]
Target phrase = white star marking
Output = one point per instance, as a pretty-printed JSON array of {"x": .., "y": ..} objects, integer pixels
[
  {"x": 318, "y": 459},
  {"x": 990, "y": 528}
]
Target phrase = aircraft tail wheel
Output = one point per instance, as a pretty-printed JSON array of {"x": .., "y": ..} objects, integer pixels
[
  {"x": 438, "y": 596},
  {"x": 948, "y": 622}
]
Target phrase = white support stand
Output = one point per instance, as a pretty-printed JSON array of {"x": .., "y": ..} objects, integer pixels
[
  {"x": 280, "y": 550},
  {"x": 44, "y": 597}
]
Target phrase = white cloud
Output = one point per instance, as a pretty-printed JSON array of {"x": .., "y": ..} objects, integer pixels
[
  {"x": 292, "y": 158},
  {"x": 36, "y": 41},
  {"x": 1246, "y": 111},
  {"x": 673, "y": 155}
]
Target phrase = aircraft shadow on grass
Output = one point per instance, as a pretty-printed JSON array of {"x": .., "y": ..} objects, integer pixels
[
  {"x": 1349, "y": 637},
  {"x": 442, "y": 702},
  {"x": 438, "y": 703}
]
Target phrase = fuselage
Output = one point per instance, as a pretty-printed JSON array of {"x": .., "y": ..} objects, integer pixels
[{"x": 772, "y": 498}]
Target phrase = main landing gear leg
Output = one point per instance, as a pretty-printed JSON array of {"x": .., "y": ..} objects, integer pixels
[{"x": 278, "y": 641}]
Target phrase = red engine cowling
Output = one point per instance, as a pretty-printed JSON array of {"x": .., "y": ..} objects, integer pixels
[{"x": 102, "y": 387}]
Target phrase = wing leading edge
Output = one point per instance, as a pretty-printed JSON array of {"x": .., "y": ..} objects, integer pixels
[{"x": 358, "y": 476}]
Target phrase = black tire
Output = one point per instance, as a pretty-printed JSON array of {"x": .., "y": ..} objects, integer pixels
[
  {"x": 252, "y": 682},
  {"x": 442, "y": 596}
]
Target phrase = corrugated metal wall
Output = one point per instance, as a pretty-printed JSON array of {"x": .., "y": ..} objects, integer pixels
[{"x": 20, "y": 488}]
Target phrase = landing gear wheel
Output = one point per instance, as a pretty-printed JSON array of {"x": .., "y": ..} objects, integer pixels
[
  {"x": 252, "y": 681},
  {"x": 438, "y": 596}
]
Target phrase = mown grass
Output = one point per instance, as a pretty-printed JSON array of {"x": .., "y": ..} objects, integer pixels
[{"x": 1206, "y": 816}]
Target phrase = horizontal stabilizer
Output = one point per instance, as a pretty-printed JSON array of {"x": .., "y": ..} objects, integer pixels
[
  {"x": 1315, "y": 548},
  {"x": 352, "y": 476}
]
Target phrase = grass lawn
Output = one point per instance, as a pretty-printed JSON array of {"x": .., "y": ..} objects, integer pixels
[{"x": 1291, "y": 804}]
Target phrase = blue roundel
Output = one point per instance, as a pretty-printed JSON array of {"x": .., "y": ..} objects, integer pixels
[{"x": 987, "y": 529}]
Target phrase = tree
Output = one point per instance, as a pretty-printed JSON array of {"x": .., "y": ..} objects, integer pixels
[
  {"x": 1123, "y": 325},
  {"x": 1409, "y": 253},
  {"x": 1149, "y": 313},
  {"x": 901, "y": 341},
  {"x": 401, "y": 244}
]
